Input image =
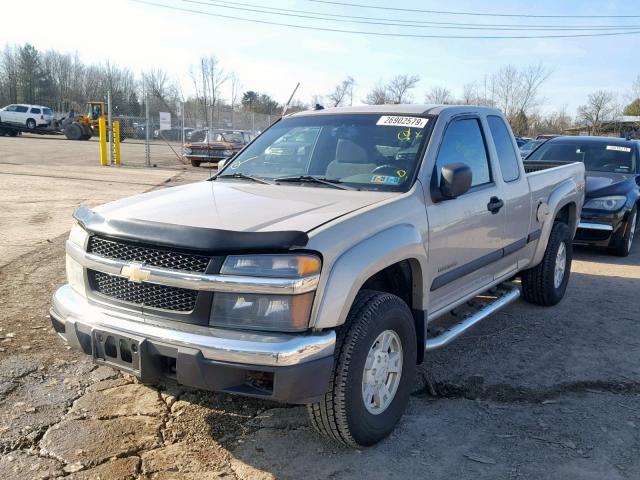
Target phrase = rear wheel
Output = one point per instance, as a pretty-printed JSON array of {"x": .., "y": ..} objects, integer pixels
[
  {"x": 195, "y": 163},
  {"x": 546, "y": 283},
  {"x": 623, "y": 249},
  {"x": 374, "y": 369},
  {"x": 31, "y": 124},
  {"x": 73, "y": 131}
]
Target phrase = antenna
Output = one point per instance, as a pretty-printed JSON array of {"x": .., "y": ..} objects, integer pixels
[{"x": 284, "y": 110}]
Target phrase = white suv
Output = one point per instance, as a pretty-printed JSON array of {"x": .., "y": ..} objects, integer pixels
[{"x": 31, "y": 116}]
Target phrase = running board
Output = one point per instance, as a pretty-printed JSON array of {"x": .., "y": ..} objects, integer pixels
[{"x": 458, "y": 329}]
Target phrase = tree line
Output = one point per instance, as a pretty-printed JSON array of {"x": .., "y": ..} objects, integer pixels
[{"x": 63, "y": 82}]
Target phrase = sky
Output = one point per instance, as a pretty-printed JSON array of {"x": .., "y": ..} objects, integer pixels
[{"x": 272, "y": 59}]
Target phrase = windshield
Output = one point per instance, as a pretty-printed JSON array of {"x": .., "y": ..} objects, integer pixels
[
  {"x": 597, "y": 156},
  {"x": 373, "y": 152},
  {"x": 531, "y": 145}
]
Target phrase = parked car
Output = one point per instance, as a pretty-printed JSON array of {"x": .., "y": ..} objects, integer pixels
[
  {"x": 610, "y": 213},
  {"x": 522, "y": 141},
  {"x": 30, "y": 116},
  {"x": 313, "y": 280},
  {"x": 172, "y": 134},
  {"x": 529, "y": 147},
  {"x": 217, "y": 145}
]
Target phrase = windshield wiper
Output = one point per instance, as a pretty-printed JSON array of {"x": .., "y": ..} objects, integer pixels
[
  {"x": 244, "y": 176},
  {"x": 335, "y": 183}
]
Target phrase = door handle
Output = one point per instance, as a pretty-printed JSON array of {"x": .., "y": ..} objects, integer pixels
[{"x": 494, "y": 205}]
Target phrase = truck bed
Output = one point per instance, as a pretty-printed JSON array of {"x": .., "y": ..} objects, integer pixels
[{"x": 531, "y": 166}]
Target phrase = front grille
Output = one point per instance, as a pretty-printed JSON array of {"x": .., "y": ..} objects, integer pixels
[
  {"x": 155, "y": 256},
  {"x": 144, "y": 294}
]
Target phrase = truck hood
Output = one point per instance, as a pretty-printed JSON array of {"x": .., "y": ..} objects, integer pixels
[
  {"x": 243, "y": 207},
  {"x": 600, "y": 184}
]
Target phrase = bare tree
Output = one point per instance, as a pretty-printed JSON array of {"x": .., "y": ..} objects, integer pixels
[
  {"x": 554, "y": 122},
  {"x": 379, "y": 95},
  {"x": 342, "y": 93},
  {"x": 208, "y": 79},
  {"x": 400, "y": 86},
  {"x": 439, "y": 95},
  {"x": 634, "y": 92},
  {"x": 600, "y": 107},
  {"x": 396, "y": 91}
]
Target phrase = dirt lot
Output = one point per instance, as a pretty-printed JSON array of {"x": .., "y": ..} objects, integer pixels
[{"x": 531, "y": 393}]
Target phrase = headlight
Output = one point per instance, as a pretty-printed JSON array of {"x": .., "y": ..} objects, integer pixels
[
  {"x": 227, "y": 153},
  {"x": 279, "y": 266},
  {"x": 606, "y": 203},
  {"x": 75, "y": 275},
  {"x": 78, "y": 236},
  {"x": 282, "y": 313},
  {"x": 187, "y": 151}
]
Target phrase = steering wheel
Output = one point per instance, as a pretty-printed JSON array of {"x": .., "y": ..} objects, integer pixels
[{"x": 387, "y": 169}]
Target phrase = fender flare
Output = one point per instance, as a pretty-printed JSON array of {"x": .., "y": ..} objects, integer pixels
[
  {"x": 360, "y": 262},
  {"x": 565, "y": 194}
]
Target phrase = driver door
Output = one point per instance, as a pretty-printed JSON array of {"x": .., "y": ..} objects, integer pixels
[{"x": 466, "y": 233}]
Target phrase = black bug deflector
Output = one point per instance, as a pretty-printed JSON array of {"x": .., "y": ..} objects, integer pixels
[{"x": 210, "y": 240}]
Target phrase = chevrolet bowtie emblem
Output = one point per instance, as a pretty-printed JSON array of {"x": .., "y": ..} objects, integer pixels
[{"x": 135, "y": 273}]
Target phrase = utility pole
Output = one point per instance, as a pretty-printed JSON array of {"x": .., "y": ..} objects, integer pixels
[
  {"x": 146, "y": 128},
  {"x": 110, "y": 127}
]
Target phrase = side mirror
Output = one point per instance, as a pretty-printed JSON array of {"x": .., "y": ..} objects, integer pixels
[
  {"x": 455, "y": 180},
  {"x": 222, "y": 163}
]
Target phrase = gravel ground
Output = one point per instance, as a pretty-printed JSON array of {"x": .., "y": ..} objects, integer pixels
[{"x": 530, "y": 393}]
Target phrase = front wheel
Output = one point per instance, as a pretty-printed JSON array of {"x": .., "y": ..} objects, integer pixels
[
  {"x": 546, "y": 283},
  {"x": 195, "y": 163},
  {"x": 374, "y": 369},
  {"x": 623, "y": 249}
]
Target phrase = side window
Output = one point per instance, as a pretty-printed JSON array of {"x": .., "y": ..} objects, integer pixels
[
  {"x": 22, "y": 109},
  {"x": 11, "y": 108},
  {"x": 35, "y": 110},
  {"x": 507, "y": 156},
  {"x": 463, "y": 142}
]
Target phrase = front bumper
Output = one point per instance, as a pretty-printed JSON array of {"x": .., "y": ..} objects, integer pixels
[
  {"x": 290, "y": 368},
  {"x": 600, "y": 229},
  {"x": 204, "y": 157}
]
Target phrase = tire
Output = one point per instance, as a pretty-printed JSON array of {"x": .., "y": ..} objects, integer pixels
[
  {"x": 73, "y": 131},
  {"x": 624, "y": 247},
  {"x": 31, "y": 124},
  {"x": 12, "y": 133},
  {"x": 539, "y": 284},
  {"x": 342, "y": 414},
  {"x": 195, "y": 163}
]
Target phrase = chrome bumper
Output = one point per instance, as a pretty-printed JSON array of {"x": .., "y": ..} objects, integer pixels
[
  {"x": 264, "y": 349},
  {"x": 596, "y": 226}
]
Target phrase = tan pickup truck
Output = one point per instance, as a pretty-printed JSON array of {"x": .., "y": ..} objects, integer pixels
[{"x": 324, "y": 261}]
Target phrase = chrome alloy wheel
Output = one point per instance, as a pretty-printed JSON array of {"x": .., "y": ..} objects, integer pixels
[
  {"x": 561, "y": 265},
  {"x": 382, "y": 372}
]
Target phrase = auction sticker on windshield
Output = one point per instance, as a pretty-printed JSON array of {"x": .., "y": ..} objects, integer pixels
[
  {"x": 618, "y": 148},
  {"x": 396, "y": 121}
]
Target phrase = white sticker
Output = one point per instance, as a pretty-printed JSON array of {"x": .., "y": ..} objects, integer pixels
[
  {"x": 399, "y": 121},
  {"x": 618, "y": 149}
]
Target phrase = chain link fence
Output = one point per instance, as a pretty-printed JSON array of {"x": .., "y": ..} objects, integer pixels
[{"x": 153, "y": 129}]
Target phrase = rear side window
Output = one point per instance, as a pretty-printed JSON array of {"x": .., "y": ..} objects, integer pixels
[
  {"x": 22, "y": 109},
  {"x": 507, "y": 156},
  {"x": 463, "y": 142},
  {"x": 35, "y": 110},
  {"x": 47, "y": 111}
]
